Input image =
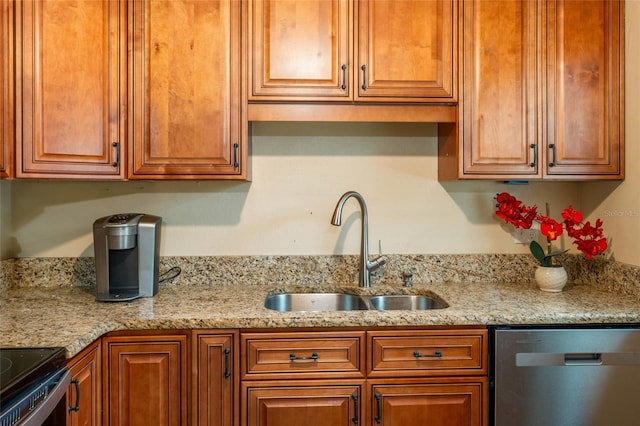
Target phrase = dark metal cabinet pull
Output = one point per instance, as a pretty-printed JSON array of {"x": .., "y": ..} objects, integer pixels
[
  {"x": 378, "y": 417},
  {"x": 364, "y": 77},
  {"x": 227, "y": 371},
  {"x": 116, "y": 146},
  {"x": 554, "y": 159},
  {"x": 534, "y": 163},
  {"x": 235, "y": 155},
  {"x": 76, "y": 384},
  {"x": 344, "y": 76},
  {"x": 436, "y": 354},
  {"x": 313, "y": 357},
  {"x": 355, "y": 407}
]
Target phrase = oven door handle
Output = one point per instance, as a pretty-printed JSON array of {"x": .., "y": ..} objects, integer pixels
[{"x": 39, "y": 415}]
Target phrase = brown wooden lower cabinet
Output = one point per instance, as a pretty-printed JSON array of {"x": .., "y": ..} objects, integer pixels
[
  {"x": 215, "y": 378},
  {"x": 319, "y": 403},
  {"x": 83, "y": 395},
  {"x": 451, "y": 402},
  {"x": 145, "y": 380}
]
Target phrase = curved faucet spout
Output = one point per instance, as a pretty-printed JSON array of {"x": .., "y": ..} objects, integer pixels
[{"x": 366, "y": 266}]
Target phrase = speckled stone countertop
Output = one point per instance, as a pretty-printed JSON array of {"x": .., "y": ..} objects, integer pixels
[{"x": 71, "y": 317}]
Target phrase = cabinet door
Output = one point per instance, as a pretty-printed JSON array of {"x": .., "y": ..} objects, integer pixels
[
  {"x": 83, "y": 397},
  {"x": 185, "y": 102},
  {"x": 145, "y": 380},
  {"x": 585, "y": 105},
  {"x": 300, "y": 50},
  {"x": 499, "y": 128},
  {"x": 6, "y": 91},
  {"x": 438, "y": 404},
  {"x": 216, "y": 374},
  {"x": 313, "y": 405},
  {"x": 406, "y": 50},
  {"x": 70, "y": 88}
]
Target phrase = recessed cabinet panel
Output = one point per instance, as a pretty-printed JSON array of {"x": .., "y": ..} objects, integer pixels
[
  {"x": 70, "y": 88},
  {"x": 6, "y": 90},
  {"x": 450, "y": 404},
  {"x": 498, "y": 124},
  {"x": 300, "y": 49},
  {"x": 185, "y": 89},
  {"x": 585, "y": 41},
  {"x": 405, "y": 50}
]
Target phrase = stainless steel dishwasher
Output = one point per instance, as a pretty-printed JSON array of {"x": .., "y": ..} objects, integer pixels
[{"x": 564, "y": 377}]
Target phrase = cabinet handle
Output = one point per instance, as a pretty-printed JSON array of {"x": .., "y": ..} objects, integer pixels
[
  {"x": 235, "y": 155},
  {"x": 378, "y": 417},
  {"x": 534, "y": 163},
  {"x": 116, "y": 147},
  {"x": 364, "y": 77},
  {"x": 355, "y": 407},
  {"x": 344, "y": 77},
  {"x": 227, "y": 372},
  {"x": 554, "y": 158},
  {"x": 313, "y": 357},
  {"x": 76, "y": 384},
  {"x": 436, "y": 354}
]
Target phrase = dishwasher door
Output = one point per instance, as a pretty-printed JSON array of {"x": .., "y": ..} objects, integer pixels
[{"x": 563, "y": 377}]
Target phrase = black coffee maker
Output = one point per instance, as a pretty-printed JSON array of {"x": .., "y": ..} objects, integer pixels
[{"x": 126, "y": 248}]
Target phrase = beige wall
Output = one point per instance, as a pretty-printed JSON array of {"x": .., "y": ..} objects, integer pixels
[{"x": 299, "y": 172}]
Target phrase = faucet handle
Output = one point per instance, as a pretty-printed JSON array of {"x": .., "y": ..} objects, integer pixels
[{"x": 376, "y": 263}]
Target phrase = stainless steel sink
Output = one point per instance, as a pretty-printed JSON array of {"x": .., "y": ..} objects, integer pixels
[
  {"x": 286, "y": 302},
  {"x": 310, "y": 302},
  {"x": 404, "y": 302}
]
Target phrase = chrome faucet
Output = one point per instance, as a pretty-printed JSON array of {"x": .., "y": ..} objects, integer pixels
[{"x": 366, "y": 266}]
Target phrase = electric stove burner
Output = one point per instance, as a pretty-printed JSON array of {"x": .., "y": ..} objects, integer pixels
[{"x": 20, "y": 368}]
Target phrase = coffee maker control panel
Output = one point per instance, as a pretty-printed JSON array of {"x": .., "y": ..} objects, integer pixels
[{"x": 123, "y": 218}]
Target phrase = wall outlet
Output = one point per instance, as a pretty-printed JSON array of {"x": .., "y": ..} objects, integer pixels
[{"x": 525, "y": 236}]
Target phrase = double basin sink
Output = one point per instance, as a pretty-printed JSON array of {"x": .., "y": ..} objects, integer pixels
[{"x": 314, "y": 302}]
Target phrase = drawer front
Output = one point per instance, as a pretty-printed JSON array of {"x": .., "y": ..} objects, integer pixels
[
  {"x": 303, "y": 355},
  {"x": 428, "y": 353}
]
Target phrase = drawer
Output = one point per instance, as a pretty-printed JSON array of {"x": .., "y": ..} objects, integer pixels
[
  {"x": 302, "y": 355},
  {"x": 427, "y": 353}
]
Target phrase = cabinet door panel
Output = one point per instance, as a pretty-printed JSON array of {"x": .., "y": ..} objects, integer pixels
[
  {"x": 298, "y": 49},
  {"x": 185, "y": 89},
  {"x": 85, "y": 369},
  {"x": 585, "y": 107},
  {"x": 69, "y": 88},
  {"x": 498, "y": 124},
  {"x": 407, "y": 50},
  {"x": 315, "y": 405},
  {"x": 214, "y": 356},
  {"x": 145, "y": 380},
  {"x": 455, "y": 404},
  {"x": 6, "y": 90}
]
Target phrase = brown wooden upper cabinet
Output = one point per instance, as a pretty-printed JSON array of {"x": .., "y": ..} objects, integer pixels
[
  {"x": 541, "y": 92},
  {"x": 70, "y": 88},
  {"x": 6, "y": 90},
  {"x": 352, "y": 50},
  {"x": 185, "y": 109},
  {"x": 115, "y": 89}
]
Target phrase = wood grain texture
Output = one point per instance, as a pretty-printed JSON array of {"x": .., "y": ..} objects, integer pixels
[
  {"x": 185, "y": 95},
  {"x": 7, "y": 120},
  {"x": 145, "y": 380},
  {"x": 70, "y": 72},
  {"x": 585, "y": 86},
  {"x": 86, "y": 369}
]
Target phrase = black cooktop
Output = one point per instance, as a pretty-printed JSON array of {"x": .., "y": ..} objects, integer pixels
[{"x": 22, "y": 367}]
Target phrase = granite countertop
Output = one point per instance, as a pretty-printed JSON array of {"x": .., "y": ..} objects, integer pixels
[{"x": 71, "y": 317}]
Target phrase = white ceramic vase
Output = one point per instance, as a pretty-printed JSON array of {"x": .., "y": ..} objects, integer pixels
[{"x": 551, "y": 278}]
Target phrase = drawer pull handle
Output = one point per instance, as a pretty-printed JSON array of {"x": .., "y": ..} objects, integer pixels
[
  {"x": 436, "y": 354},
  {"x": 313, "y": 357},
  {"x": 364, "y": 77},
  {"x": 227, "y": 371},
  {"x": 76, "y": 408},
  {"x": 378, "y": 417},
  {"x": 344, "y": 76},
  {"x": 355, "y": 419}
]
